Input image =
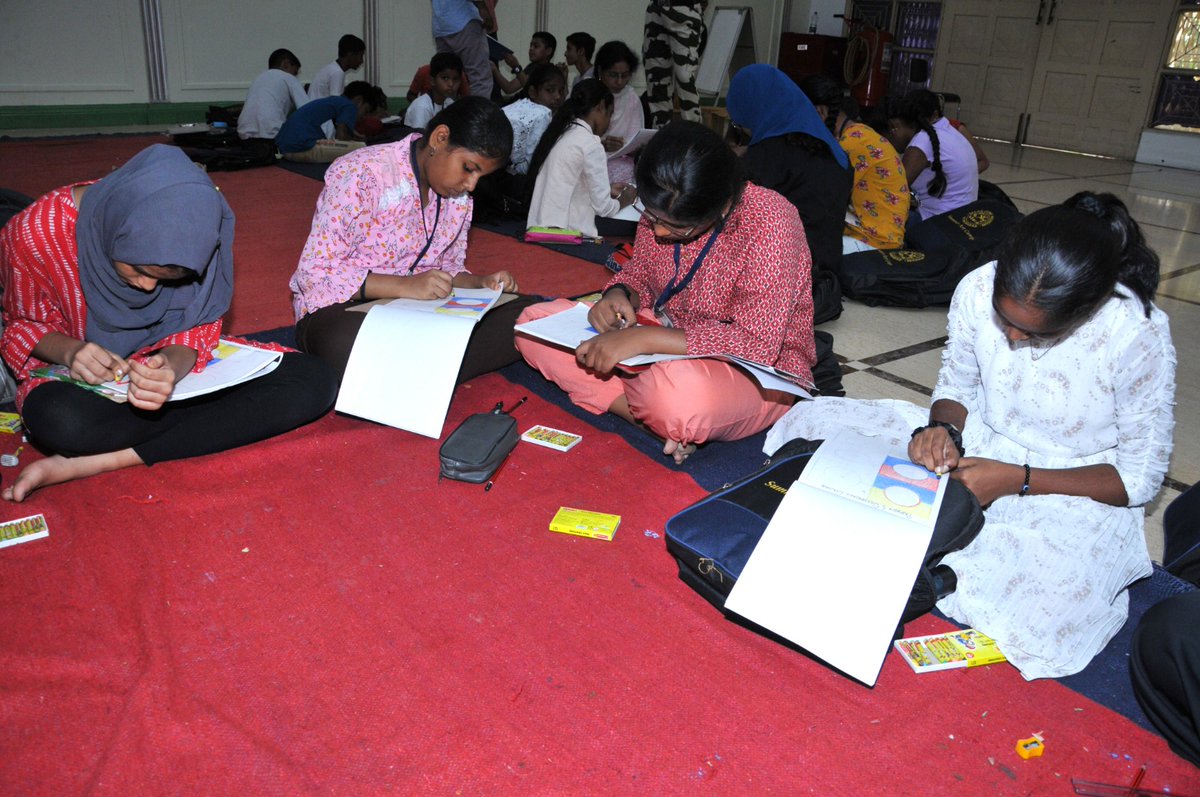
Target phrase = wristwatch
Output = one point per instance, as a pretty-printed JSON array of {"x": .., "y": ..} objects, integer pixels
[{"x": 951, "y": 429}]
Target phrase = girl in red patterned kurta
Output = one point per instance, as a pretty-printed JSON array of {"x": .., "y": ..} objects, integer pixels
[
  {"x": 128, "y": 278},
  {"x": 719, "y": 267}
]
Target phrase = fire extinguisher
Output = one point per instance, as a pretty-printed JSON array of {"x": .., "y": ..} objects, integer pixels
[{"x": 868, "y": 62}]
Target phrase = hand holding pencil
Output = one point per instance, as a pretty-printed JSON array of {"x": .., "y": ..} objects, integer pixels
[{"x": 614, "y": 311}]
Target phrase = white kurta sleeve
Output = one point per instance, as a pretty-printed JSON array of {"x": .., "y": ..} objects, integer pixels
[{"x": 1144, "y": 385}]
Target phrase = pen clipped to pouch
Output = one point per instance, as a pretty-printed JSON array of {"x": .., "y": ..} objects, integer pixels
[{"x": 474, "y": 450}]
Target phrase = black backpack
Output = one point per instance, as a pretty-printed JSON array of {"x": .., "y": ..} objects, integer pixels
[{"x": 939, "y": 252}]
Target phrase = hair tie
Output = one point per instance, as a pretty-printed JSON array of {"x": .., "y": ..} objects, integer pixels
[{"x": 1090, "y": 203}]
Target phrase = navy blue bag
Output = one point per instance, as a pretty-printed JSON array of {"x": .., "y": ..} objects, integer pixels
[
  {"x": 1181, "y": 536},
  {"x": 712, "y": 539}
]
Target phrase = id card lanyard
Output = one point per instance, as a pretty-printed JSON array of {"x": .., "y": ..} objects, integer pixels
[
  {"x": 437, "y": 213},
  {"x": 676, "y": 285}
]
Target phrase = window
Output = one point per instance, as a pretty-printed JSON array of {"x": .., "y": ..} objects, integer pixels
[{"x": 1178, "y": 104}]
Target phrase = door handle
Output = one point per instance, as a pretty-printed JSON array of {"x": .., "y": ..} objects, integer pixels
[
  {"x": 1053, "y": 5},
  {"x": 1041, "y": 11}
]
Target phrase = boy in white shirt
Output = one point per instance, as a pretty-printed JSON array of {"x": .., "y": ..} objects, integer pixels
[
  {"x": 445, "y": 70},
  {"x": 580, "y": 49},
  {"x": 272, "y": 96},
  {"x": 330, "y": 80}
]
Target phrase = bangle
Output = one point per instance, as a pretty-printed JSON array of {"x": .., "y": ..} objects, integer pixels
[
  {"x": 1025, "y": 487},
  {"x": 951, "y": 430}
]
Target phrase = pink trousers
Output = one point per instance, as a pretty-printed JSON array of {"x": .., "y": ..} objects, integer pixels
[{"x": 690, "y": 401}]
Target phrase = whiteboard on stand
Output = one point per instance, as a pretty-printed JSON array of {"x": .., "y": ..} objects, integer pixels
[{"x": 730, "y": 47}]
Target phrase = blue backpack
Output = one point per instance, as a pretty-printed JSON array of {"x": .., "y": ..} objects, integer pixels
[{"x": 712, "y": 539}]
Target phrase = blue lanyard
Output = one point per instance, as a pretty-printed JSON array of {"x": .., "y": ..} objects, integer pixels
[
  {"x": 676, "y": 286},
  {"x": 437, "y": 213}
]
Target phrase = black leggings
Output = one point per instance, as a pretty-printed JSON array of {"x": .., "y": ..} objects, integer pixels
[
  {"x": 329, "y": 333},
  {"x": 68, "y": 420}
]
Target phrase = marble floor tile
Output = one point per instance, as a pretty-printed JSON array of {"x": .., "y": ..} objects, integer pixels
[
  {"x": 921, "y": 369},
  {"x": 1001, "y": 173},
  {"x": 864, "y": 331},
  {"x": 863, "y": 385},
  {"x": 1185, "y": 288},
  {"x": 1066, "y": 163},
  {"x": 1171, "y": 181},
  {"x": 1027, "y": 206},
  {"x": 1149, "y": 207},
  {"x": 1176, "y": 249}
]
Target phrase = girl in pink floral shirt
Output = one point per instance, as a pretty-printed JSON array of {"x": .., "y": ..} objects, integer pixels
[
  {"x": 392, "y": 222},
  {"x": 719, "y": 267}
]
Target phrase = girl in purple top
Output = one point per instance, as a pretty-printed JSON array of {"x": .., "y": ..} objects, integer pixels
[
  {"x": 941, "y": 165},
  {"x": 392, "y": 222}
]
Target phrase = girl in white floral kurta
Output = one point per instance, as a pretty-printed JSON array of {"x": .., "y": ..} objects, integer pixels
[{"x": 1078, "y": 387}]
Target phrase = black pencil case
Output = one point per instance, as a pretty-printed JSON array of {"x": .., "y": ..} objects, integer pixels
[{"x": 476, "y": 448}]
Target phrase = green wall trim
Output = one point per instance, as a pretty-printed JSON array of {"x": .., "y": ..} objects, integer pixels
[{"x": 24, "y": 117}]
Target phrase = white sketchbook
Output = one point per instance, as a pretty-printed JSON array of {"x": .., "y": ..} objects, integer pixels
[
  {"x": 228, "y": 364},
  {"x": 571, "y": 327},
  {"x": 639, "y": 140},
  {"x": 405, "y": 360},
  {"x": 859, "y": 500}
]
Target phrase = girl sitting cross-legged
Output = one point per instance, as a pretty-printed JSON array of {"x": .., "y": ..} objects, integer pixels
[
  {"x": 128, "y": 278},
  {"x": 719, "y": 267}
]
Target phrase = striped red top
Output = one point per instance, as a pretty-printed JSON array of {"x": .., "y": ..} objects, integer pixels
[{"x": 39, "y": 270}]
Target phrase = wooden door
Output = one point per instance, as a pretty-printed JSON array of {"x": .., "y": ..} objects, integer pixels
[
  {"x": 987, "y": 51},
  {"x": 1096, "y": 69}
]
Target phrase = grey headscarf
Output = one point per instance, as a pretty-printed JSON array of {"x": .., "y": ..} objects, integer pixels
[{"x": 158, "y": 209}]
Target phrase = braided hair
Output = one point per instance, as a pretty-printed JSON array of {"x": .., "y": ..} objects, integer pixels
[{"x": 920, "y": 109}]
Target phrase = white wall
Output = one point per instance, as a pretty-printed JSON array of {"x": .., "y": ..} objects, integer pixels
[
  {"x": 66, "y": 52},
  {"x": 52, "y": 52},
  {"x": 215, "y": 48},
  {"x": 1169, "y": 148},
  {"x": 828, "y": 24}
]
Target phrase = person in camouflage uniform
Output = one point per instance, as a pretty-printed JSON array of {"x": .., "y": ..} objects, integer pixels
[{"x": 671, "y": 56}]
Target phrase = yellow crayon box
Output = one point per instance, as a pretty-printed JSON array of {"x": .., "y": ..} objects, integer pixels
[
  {"x": 552, "y": 438},
  {"x": 597, "y": 525},
  {"x": 14, "y": 532}
]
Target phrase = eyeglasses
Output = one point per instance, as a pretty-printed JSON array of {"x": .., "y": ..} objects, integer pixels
[
  {"x": 618, "y": 75},
  {"x": 675, "y": 230}
]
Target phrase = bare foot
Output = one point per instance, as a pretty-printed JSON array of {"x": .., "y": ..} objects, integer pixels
[
  {"x": 672, "y": 448},
  {"x": 59, "y": 469},
  {"x": 680, "y": 451}
]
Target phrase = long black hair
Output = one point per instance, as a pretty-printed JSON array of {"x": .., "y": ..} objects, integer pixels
[
  {"x": 612, "y": 53},
  {"x": 920, "y": 109},
  {"x": 688, "y": 173},
  {"x": 1066, "y": 260},
  {"x": 586, "y": 95},
  {"x": 824, "y": 90},
  {"x": 476, "y": 124}
]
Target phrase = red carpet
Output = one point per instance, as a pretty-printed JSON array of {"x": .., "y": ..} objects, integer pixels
[
  {"x": 316, "y": 614},
  {"x": 274, "y": 211}
]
